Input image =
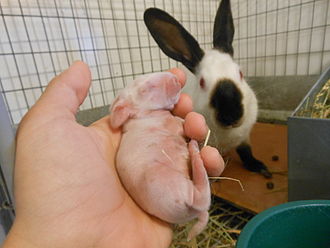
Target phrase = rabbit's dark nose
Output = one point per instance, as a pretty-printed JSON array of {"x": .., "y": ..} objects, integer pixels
[{"x": 226, "y": 99}]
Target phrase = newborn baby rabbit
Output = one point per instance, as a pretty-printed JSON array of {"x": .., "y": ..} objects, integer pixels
[{"x": 162, "y": 173}]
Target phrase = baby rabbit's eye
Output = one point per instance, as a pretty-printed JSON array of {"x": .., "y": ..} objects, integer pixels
[
  {"x": 202, "y": 83},
  {"x": 143, "y": 91},
  {"x": 241, "y": 74},
  {"x": 147, "y": 89}
]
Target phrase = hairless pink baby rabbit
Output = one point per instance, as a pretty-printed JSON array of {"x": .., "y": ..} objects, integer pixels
[{"x": 162, "y": 173}]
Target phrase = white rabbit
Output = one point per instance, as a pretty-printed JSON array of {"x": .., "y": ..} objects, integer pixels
[{"x": 221, "y": 94}]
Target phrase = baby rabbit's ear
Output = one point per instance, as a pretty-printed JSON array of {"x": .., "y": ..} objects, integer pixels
[
  {"x": 172, "y": 38},
  {"x": 223, "y": 30},
  {"x": 120, "y": 112}
]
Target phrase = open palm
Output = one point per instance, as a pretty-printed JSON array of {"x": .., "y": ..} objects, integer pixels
[{"x": 67, "y": 191}]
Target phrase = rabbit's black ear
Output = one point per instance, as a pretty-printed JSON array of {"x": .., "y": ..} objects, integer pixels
[
  {"x": 223, "y": 31},
  {"x": 172, "y": 38}
]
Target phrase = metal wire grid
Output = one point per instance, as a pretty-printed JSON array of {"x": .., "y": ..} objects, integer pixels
[
  {"x": 41, "y": 38},
  {"x": 281, "y": 38}
]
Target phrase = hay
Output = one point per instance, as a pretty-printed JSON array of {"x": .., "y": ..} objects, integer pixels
[
  {"x": 207, "y": 138},
  {"x": 318, "y": 106},
  {"x": 229, "y": 178},
  {"x": 221, "y": 178},
  {"x": 224, "y": 226},
  {"x": 321, "y": 105}
]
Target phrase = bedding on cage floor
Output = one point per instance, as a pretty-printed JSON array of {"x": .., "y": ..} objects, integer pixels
[{"x": 225, "y": 224}]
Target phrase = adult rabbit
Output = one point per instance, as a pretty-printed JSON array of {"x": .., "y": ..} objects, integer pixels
[{"x": 221, "y": 94}]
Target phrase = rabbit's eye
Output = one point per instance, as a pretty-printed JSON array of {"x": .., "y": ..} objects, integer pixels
[
  {"x": 202, "y": 83},
  {"x": 241, "y": 74}
]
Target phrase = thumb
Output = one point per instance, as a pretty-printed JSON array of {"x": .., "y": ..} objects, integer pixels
[{"x": 64, "y": 94}]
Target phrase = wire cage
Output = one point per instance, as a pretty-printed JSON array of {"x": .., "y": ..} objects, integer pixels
[{"x": 41, "y": 38}]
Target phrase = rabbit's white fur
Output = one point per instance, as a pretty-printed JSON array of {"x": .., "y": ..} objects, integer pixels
[
  {"x": 223, "y": 97},
  {"x": 214, "y": 66}
]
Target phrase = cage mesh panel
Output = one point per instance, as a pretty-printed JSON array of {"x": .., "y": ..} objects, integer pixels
[{"x": 41, "y": 38}]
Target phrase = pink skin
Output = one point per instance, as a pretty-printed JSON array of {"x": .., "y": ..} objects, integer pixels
[{"x": 164, "y": 175}]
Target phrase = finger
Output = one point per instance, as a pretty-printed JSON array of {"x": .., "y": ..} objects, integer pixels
[
  {"x": 181, "y": 75},
  {"x": 184, "y": 106},
  {"x": 213, "y": 162},
  {"x": 195, "y": 126},
  {"x": 66, "y": 91}
]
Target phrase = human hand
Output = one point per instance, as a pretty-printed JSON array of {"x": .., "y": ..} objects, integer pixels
[{"x": 67, "y": 190}]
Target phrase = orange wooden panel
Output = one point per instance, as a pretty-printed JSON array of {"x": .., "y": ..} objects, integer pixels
[{"x": 268, "y": 140}]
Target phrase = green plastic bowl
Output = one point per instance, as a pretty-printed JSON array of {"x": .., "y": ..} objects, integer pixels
[{"x": 298, "y": 224}]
